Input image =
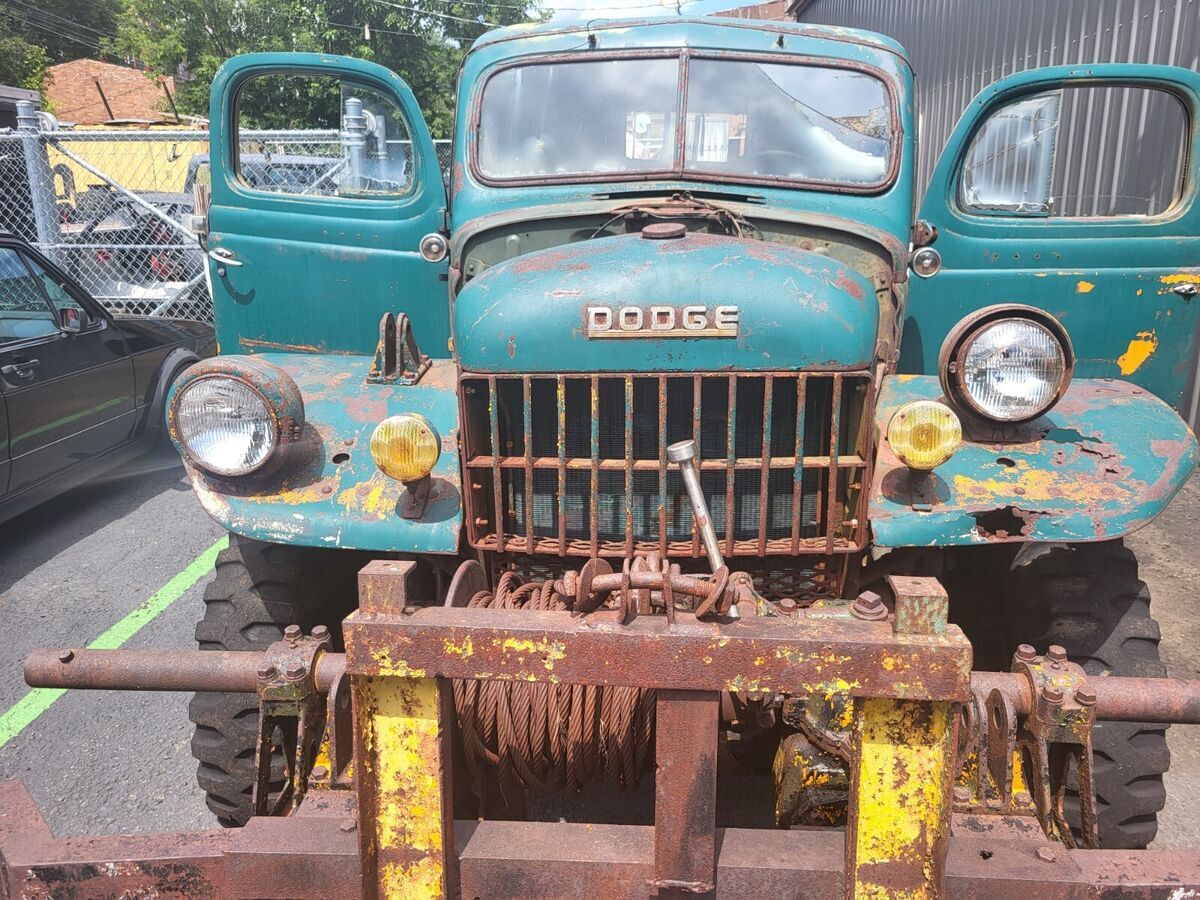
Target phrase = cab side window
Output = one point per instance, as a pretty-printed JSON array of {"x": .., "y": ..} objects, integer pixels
[
  {"x": 320, "y": 136},
  {"x": 65, "y": 306},
  {"x": 1074, "y": 153},
  {"x": 24, "y": 310}
]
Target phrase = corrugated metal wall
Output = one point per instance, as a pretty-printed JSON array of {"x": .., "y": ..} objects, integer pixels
[{"x": 958, "y": 47}]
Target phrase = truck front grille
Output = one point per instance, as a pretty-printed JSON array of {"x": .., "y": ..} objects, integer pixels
[{"x": 576, "y": 464}]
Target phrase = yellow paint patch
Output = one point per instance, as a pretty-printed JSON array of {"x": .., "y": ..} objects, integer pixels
[
  {"x": 1084, "y": 287},
  {"x": 465, "y": 649},
  {"x": 1180, "y": 278},
  {"x": 904, "y": 778},
  {"x": 1030, "y": 485},
  {"x": 1140, "y": 349},
  {"x": 398, "y": 667},
  {"x": 550, "y": 651},
  {"x": 376, "y": 497},
  {"x": 1139, "y": 292}
]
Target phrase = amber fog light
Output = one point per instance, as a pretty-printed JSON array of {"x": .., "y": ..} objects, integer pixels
[
  {"x": 405, "y": 447},
  {"x": 924, "y": 434}
]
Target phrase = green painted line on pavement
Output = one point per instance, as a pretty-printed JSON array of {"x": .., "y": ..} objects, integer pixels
[{"x": 26, "y": 710}]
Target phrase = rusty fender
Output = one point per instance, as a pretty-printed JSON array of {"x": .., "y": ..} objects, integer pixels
[{"x": 1102, "y": 463}]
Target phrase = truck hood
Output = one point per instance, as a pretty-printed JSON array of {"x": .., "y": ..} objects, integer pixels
[{"x": 700, "y": 303}]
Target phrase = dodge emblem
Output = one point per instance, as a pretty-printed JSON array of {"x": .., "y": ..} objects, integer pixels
[{"x": 660, "y": 322}]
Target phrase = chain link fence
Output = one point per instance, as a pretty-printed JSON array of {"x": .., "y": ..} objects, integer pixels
[{"x": 111, "y": 207}]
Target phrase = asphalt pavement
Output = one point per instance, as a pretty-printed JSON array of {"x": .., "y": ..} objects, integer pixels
[{"x": 118, "y": 552}]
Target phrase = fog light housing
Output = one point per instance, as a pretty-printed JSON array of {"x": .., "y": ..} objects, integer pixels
[
  {"x": 924, "y": 434},
  {"x": 405, "y": 447}
]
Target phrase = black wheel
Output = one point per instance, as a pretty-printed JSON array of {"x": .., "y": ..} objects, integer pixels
[
  {"x": 257, "y": 590},
  {"x": 1089, "y": 599}
]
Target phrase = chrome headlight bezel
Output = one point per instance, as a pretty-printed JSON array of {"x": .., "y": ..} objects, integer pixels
[
  {"x": 960, "y": 340},
  {"x": 273, "y": 387}
]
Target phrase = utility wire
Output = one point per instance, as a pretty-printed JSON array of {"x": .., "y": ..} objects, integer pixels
[
  {"x": 429, "y": 12},
  {"x": 49, "y": 16}
]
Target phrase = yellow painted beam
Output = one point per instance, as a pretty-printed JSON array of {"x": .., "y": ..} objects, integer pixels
[
  {"x": 900, "y": 792},
  {"x": 402, "y": 760}
]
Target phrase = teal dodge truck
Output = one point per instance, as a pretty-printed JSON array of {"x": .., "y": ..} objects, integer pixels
[{"x": 708, "y": 231}]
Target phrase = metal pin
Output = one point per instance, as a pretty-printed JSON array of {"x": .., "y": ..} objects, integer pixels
[{"x": 684, "y": 455}]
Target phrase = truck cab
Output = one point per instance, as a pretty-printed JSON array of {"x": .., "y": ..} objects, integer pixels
[{"x": 692, "y": 230}]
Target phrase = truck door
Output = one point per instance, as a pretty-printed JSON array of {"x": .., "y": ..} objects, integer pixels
[
  {"x": 324, "y": 182},
  {"x": 1073, "y": 190}
]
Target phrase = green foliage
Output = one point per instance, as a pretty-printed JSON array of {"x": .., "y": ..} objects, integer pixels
[
  {"x": 22, "y": 64},
  {"x": 423, "y": 41},
  {"x": 65, "y": 29}
]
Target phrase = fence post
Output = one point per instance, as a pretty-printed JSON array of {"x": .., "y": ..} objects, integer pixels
[{"x": 40, "y": 179}]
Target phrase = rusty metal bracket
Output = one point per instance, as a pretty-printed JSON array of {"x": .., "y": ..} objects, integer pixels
[
  {"x": 1057, "y": 732},
  {"x": 398, "y": 359},
  {"x": 290, "y": 705}
]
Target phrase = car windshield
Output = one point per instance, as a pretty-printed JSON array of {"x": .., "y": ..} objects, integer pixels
[{"x": 744, "y": 120}]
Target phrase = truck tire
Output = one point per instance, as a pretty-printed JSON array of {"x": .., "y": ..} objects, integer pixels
[
  {"x": 257, "y": 590},
  {"x": 1089, "y": 599}
]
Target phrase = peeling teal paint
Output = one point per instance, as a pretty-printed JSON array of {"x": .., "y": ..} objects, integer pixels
[
  {"x": 316, "y": 501},
  {"x": 1104, "y": 462},
  {"x": 796, "y": 309}
]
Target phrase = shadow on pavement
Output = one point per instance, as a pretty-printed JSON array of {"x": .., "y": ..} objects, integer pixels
[{"x": 44, "y": 532}]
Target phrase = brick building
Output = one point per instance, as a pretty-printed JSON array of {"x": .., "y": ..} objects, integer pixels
[{"x": 91, "y": 92}]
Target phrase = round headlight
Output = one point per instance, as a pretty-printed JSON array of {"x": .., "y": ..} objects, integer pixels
[
  {"x": 405, "y": 447},
  {"x": 1007, "y": 364},
  {"x": 233, "y": 415},
  {"x": 924, "y": 434},
  {"x": 224, "y": 425}
]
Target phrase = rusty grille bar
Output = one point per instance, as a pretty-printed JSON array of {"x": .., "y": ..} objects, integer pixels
[{"x": 576, "y": 464}]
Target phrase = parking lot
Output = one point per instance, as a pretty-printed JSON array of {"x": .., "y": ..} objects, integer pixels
[{"x": 125, "y": 560}]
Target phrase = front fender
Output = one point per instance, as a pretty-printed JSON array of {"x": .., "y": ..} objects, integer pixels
[
  {"x": 319, "y": 499},
  {"x": 1104, "y": 462}
]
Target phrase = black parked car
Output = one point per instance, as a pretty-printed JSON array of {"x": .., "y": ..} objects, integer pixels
[{"x": 81, "y": 390}]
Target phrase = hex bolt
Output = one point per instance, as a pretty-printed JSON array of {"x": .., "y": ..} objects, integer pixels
[
  {"x": 65, "y": 656},
  {"x": 320, "y": 772},
  {"x": 294, "y": 671},
  {"x": 961, "y": 793},
  {"x": 1085, "y": 696},
  {"x": 869, "y": 607},
  {"x": 788, "y": 605},
  {"x": 1052, "y": 695},
  {"x": 266, "y": 671},
  {"x": 292, "y": 633},
  {"x": 320, "y": 632},
  {"x": 1045, "y": 854},
  {"x": 1026, "y": 654},
  {"x": 1056, "y": 653}
]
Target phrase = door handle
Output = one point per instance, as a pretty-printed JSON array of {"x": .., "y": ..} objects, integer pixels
[
  {"x": 1187, "y": 290},
  {"x": 21, "y": 368},
  {"x": 225, "y": 257}
]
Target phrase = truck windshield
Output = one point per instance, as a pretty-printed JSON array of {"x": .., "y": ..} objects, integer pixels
[{"x": 744, "y": 120}]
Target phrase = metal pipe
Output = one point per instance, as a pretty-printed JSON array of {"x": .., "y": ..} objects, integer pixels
[
  {"x": 1166, "y": 701},
  {"x": 40, "y": 178},
  {"x": 232, "y": 671},
  {"x": 684, "y": 455}
]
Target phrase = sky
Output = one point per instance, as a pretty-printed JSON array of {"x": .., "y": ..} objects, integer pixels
[{"x": 623, "y": 9}]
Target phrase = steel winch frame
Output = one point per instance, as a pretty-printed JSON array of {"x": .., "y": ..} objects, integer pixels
[{"x": 369, "y": 811}]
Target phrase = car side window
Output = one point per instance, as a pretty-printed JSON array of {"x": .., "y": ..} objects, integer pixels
[
  {"x": 24, "y": 311},
  {"x": 65, "y": 306},
  {"x": 1074, "y": 153},
  {"x": 320, "y": 136}
]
